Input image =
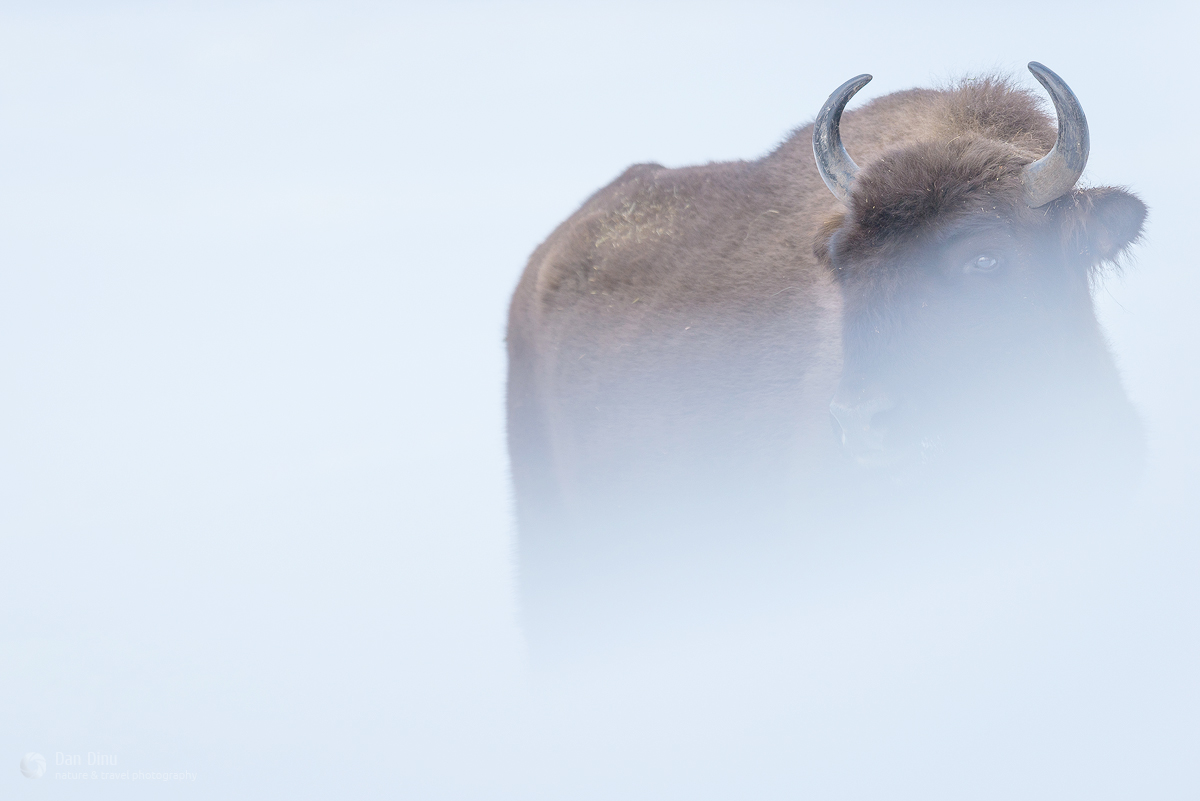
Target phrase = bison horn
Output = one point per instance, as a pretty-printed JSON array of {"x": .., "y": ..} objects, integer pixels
[
  {"x": 1053, "y": 175},
  {"x": 834, "y": 163}
]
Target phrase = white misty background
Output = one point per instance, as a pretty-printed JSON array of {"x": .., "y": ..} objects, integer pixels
[{"x": 256, "y": 259}]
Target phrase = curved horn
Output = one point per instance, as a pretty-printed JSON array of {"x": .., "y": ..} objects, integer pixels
[
  {"x": 1053, "y": 175},
  {"x": 834, "y": 163}
]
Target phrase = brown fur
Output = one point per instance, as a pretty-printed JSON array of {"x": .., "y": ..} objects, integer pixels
[{"x": 695, "y": 317}]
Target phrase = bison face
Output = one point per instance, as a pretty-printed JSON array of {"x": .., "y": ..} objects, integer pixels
[{"x": 969, "y": 331}]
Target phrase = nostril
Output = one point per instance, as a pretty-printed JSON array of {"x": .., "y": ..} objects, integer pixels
[{"x": 861, "y": 426}]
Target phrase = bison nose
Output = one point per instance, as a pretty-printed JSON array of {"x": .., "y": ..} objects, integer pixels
[{"x": 856, "y": 421}]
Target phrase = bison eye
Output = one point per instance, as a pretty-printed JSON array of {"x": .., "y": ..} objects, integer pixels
[{"x": 981, "y": 264}]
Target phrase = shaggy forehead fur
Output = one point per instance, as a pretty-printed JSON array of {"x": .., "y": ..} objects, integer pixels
[
  {"x": 927, "y": 181},
  {"x": 969, "y": 161}
]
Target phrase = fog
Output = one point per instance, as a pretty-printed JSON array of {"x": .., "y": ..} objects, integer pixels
[{"x": 254, "y": 493}]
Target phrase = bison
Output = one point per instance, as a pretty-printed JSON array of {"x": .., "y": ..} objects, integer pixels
[{"x": 706, "y": 343}]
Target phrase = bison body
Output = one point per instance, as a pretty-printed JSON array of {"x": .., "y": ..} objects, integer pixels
[{"x": 698, "y": 348}]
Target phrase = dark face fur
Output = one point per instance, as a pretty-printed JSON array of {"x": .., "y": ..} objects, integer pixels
[{"x": 969, "y": 331}]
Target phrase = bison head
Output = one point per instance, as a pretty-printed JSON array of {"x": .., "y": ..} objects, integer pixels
[{"x": 966, "y": 266}]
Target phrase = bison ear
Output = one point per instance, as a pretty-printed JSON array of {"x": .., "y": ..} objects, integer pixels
[
  {"x": 824, "y": 235},
  {"x": 1100, "y": 223}
]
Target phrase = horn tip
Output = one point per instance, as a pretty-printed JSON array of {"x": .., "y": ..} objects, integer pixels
[{"x": 1039, "y": 69}]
